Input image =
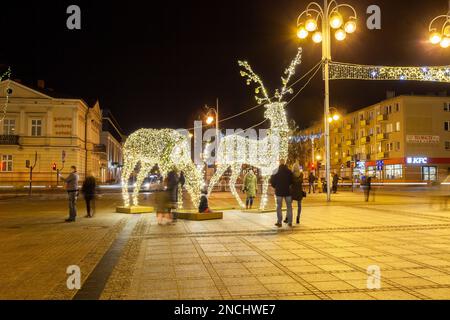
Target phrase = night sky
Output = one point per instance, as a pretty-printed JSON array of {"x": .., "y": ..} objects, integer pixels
[{"x": 157, "y": 63}]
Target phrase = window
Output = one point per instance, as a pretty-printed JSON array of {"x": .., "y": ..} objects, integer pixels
[
  {"x": 397, "y": 126},
  {"x": 389, "y": 147},
  {"x": 389, "y": 128},
  {"x": 397, "y": 146},
  {"x": 9, "y": 126},
  {"x": 371, "y": 132},
  {"x": 36, "y": 128},
  {"x": 7, "y": 163},
  {"x": 397, "y": 107},
  {"x": 447, "y": 125},
  {"x": 447, "y": 145},
  {"x": 429, "y": 173},
  {"x": 446, "y": 106},
  {"x": 394, "y": 172}
]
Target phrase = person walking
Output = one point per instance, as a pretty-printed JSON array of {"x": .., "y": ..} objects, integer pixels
[
  {"x": 319, "y": 185},
  {"x": 172, "y": 189},
  {"x": 88, "y": 190},
  {"x": 281, "y": 181},
  {"x": 297, "y": 192},
  {"x": 335, "y": 182},
  {"x": 250, "y": 188},
  {"x": 311, "y": 180},
  {"x": 367, "y": 188},
  {"x": 72, "y": 192}
]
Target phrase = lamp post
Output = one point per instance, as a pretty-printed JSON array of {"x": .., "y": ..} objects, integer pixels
[
  {"x": 210, "y": 119},
  {"x": 331, "y": 18},
  {"x": 440, "y": 29}
]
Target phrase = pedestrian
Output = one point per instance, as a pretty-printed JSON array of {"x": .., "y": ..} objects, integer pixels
[
  {"x": 367, "y": 188},
  {"x": 319, "y": 185},
  {"x": 297, "y": 192},
  {"x": 335, "y": 182},
  {"x": 72, "y": 192},
  {"x": 172, "y": 189},
  {"x": 281, "y": 181},
  {"x": 203, "y": 207},
  {"x": 88, "y": 190},
  {"x": 250, "y": 188},
  {"x": 311, "y": 180}
]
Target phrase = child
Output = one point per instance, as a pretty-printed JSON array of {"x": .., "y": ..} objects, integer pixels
[{"x": 203, "y": 206}]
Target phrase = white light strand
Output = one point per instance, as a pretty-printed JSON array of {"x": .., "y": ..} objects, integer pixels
[
  {"x": 6, "y": 74},
  {"x": 343, "y": 71}
]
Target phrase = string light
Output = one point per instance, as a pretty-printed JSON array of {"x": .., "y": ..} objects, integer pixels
[
  {"x": 236, "y": 149},
  {"x": 6, "y": 74},
  {"x": 340, "y": 70},
  {"x": 166, "y": 148}
]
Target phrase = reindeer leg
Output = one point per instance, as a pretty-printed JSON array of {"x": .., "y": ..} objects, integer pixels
[
  {"x": 236, "y": 170},
  {"x": 145, "y": 168},
  {"x": 265, "y": 187},
  {"x": 126, "y": 173},
  {"x": 216, "y": 177}
]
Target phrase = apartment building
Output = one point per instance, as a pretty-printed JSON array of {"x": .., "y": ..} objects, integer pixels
[
  {"x": 401, "y": 139},
  {"x": 113, "y": 138},
  {"x": 40, "y": 124}
]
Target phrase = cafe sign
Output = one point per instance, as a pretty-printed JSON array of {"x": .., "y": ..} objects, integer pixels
[{"x": 423, "y": 139}]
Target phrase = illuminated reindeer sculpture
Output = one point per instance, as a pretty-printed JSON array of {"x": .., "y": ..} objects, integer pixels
[
  {"x": 166, "y": 148},
  {"x": 236, "y": 150}
]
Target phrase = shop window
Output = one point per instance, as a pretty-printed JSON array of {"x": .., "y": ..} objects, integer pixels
[
  {"x": 7, "y": 163},
  {"x": 429, "y": 173},
  {"x": 394, "y": 172}
]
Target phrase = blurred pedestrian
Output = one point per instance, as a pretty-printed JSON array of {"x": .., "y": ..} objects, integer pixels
[
  {"x": 203, "y": 207},
  {"x": 71, "y": 182},
  {"x": 88, "y": 190},
  {"x": 281, "y": 181},
  {"x": 250, "y": 188},
  {"x": 319, "y": 185},
  {"x": 172, "y": 189},
  {"x": 367, "y": 188},
  {"x": 311, "y": 180},
  {"x": 297, "y": 192},
  {"x": 335, "y": 182}
]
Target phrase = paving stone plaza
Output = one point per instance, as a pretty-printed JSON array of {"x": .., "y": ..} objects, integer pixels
[{"x": 243, "y": 256}]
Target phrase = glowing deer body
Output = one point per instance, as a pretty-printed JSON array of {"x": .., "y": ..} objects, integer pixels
[
  {"x": 236, "y": 150},
  {"x": 168, "y": 149}
]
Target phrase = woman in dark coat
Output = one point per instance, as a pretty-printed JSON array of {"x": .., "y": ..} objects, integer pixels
[
  {"x": 88, "y": 190},
  {"x": 297, "y": 189}
]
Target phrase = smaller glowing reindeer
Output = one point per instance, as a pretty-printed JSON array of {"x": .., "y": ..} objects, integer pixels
[{"x": 236, "y": 150}]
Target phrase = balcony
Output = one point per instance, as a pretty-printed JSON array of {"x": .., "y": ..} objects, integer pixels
[
  {"x": 382, "y": 117},
  {"x": 337, "y": 145},
  {"x": 382, "y": 136},
  {"x": 349, "y": 127},
  {"x": 9, "y": 140},
  {"x": 382, "y": 155},
  {"x": 365, "y": 140},
  {"x": 99, "y": 148},
  {"x": 348, "y": 159},
  {"x": 350, "y": 142},
  {"x": 364, "y": 123},
  {"x": 337, "y": 130},
  {"x": 364, "y": 157}
]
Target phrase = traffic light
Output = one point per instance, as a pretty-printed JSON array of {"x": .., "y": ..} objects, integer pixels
[{"x": 54, "y": 166}]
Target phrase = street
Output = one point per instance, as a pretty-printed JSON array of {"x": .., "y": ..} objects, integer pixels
[{"x": 244, "y": 256}]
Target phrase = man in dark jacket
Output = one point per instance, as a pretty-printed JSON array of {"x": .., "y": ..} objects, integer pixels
[
  {"x": 335, "y": 182},
  {"x": 311, "y": 180},
  {"x": 281, "y": 182}
]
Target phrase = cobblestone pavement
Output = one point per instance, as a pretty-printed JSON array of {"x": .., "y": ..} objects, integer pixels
[{"x": 242, "y": 256}]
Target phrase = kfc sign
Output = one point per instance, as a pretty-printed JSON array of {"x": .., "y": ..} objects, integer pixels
[{"x": 417, "y": 160}]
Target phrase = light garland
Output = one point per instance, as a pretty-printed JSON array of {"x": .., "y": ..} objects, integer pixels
[
  {"x": 236, "y": 149},
  {"x": 346, "y": 71},
  {"x": 6, "y": 74},
  {"x": 166, "y": 148},
  {"x": 298, "y": 139}
]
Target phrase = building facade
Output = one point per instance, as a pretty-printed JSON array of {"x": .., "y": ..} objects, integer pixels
[
  {"x": 39, "y": 125},
  {"x": 113, "y": 138},
  {"x": 401, "y": 139}
]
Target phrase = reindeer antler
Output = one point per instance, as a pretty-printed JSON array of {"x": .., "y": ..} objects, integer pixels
[
  {"x": 290, "y": 71},
  {"x": 253, "y": 77}
]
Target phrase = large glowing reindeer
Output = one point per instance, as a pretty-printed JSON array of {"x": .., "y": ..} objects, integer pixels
[
  {"x": 166, "y": 148},
  {"x": 236, "y": 150}
]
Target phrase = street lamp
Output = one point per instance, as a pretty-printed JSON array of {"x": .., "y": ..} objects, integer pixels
[
  {"x": 440, "y": 33},
  {"x": 331, "y": 17}
]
